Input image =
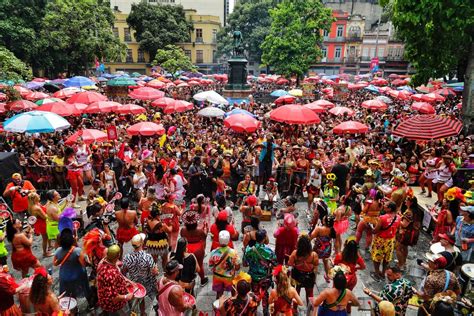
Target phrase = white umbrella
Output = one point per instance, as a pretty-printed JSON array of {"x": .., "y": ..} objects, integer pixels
[
  {"x": 35, "y": 122},
  {"x": 210, "y": 96},
  {"x": 211, "y": 111},
  {"x": 384, "y": 99}
]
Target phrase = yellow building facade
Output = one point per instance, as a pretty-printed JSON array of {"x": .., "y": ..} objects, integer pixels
[{"x": 201, "y": 48}]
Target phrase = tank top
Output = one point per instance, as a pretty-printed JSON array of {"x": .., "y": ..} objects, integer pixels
[
  {"x": 163, "y": 302},
  {"x": 81, "y": 154}
]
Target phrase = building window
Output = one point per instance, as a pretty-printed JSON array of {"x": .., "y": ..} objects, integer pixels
[
  {"x": 324, "y": 51},
  {"x": 380, "y": 52},
  {"x": 214, "y": 35},
  {"x": 337, "y": 53},
  {"x": 141, "y": 56},
  {"x": 129, "y": 56},
  {"x": 354, "y": 31},
  {"x": 187, "y": 52},
  {"x": 115, "y": 30},
  {"x": 365, "y": 52},
  {"x": 340, "y": 31},
  {"x": 326, "y": 33},
  {"x": 199, "y": 56},
  {"x": 199, "y": 35},
  {"x": 127, "y": 37},
  {"x": 372, "y": 52},
  {"x": 214, "y": 57}
]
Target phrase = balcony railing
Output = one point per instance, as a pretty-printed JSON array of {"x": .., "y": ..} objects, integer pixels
[
  {"x": 199, "y": 40},
  {"x": 354, "y": 38},
  {"x": 367, "y": 58},
  {"x": 334, "y": 60},
  {"x": 394, "y": 58},
  {"x": 351, "y": 60}
]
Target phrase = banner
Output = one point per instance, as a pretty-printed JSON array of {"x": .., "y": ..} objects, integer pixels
[{"x": 112, "y": 132}]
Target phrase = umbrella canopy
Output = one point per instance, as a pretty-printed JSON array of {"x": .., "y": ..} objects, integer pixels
[
  {"x": 242, "y": 123},
  {"x": 102, "y": 107},
  {"x": 279, "y": 93},
  {"x": 239, "y": 111},
  {"x": 294, "y": 114},
  {"x": 163, "y": 102},
  {"x": 22, "y": 90},
  {"x": 324, "y": 103},
  {"x": 315, "y": 107},
  {"x": 428, "y": 127},
  {"x": 34, "y": 96},
  {"x": 33, "y": 85},
  {"x": 66, "y": 92},
  {"x": 282, "y": 81},
  {"x": 146, "y": 93},
  {"x": 130, "y": 109},
  {"x": 446, "y": 92},
  {"x": 296, "y": 92},
  {"x": 89, "y": 136},
  {"x": 401, "y": 95},
  {"x": 399, "y": 82},
  {"x": 286, "y": 99},
  {"x": 78, "y": 81},
  {"x": 183, "y": 85},
  {"x": 60, "y": 108},
  {"x": 3, "y": 96},
  {"x": 210, "y": 96},
  {"x": 384, "y": 99},
  {"x": 417, "y": 97},
  {"x": 35, "y": 122},
  {"x": 372, "y": 88},
  {"x": 341, "y": 110},
  {"x": 87, "y": 97},
  {"x": 433, "y": 97},
  {"x": 121, "y": 82},
  {"x": 423, "y": 107},
  {"x": 407, "y": 88},
  {"x": 3, "y": 107},
  {"x": 178, "y": 106},
  {"x": 146, "y": 129},
  {"x": 21, "y": 105},
  {"x": 156, "y": 84},
  {"x": 375, "y": 104},
  {"x": 379, "y": 82},
  {"x": 47, "y": 100},
  {"x": 211, "y": 111},
  {"x": 350, "y": 127}
]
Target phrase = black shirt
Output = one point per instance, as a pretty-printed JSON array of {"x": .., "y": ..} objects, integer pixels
[{"x": 341, "y": 171}]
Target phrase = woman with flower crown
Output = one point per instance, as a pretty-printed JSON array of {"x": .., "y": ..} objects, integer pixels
[
  {"x": 284, "y": 299},
  {"x": 331, "y": 192}
]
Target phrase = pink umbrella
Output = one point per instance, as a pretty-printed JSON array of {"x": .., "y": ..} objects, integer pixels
[
  {"x": 433, "y": 97},
  {"x": 146, "y": 93},
  {"x": 375, "y": 104},
  {"x": 282, "y": 81},
  {"x": 399, "y": 82},
  {"x": 130, "y": 109},
  {"x": 163, "y": 102},
  {"x": 3, "y": 107},
  {"x": 102, "y": 107},
  {"x": 350, "y": 127},
  {"x": 178, "y": 106},
  {"x": 156, "y": 84},
  {"x": 315, "y": 107},
  {"x": 60, "y": 108},
  {"x": 423, "y": 107},
  {"x": 22, "y": 90},
  {"x": 286, "y": 99},
  {"x": 21, "y": 105},
  {"x": 294, "y": 114},
  {"x": 379, "y": 82},
  {"x": 194, "y": 82},
  {"x": 324, "y": 103},
  {"x": 401, "y": 95},
  {"x": 89, "y": 136},
  {"x": 312, "y": 79},
  {"x": 3, "y": 96},
  {"x": 183, "y": 85},
  {"x": 242, "y": 123},
  {"x": 86, "y": 97},
  {"x": 146, "y": 129},
  {"x": 341, "y": 110},
  {"x": 66, "y": 92},
  {"x": 34, "y": 96},
  {"x": 417, "y": 97}
]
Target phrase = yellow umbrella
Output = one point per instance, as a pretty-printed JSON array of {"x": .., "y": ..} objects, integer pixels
[
  {"x": 296, "y": 92},
  {"x": 141, "y": 117},
  {"x": 90, "y": 88}
]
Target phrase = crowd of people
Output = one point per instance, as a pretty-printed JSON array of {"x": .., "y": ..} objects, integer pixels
[{"x": 166, "y": 196}]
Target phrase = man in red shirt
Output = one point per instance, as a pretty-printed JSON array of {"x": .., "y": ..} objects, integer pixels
[
  {"x": 18, "y": 191},
  {"x": 384, "y": 240}
]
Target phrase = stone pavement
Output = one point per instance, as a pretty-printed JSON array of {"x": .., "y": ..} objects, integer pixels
[{"x": 205, "y": 296}]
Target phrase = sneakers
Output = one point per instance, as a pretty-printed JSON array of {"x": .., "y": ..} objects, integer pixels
[
  {"x": 204, "y": 281},
  {"x": 82, "y": 198}
]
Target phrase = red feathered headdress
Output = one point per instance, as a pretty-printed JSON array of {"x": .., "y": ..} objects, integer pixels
[{"x": 93, "y": 243}]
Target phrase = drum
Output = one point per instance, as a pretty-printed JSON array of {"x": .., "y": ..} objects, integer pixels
[
  {"x": 68, "y": 303},
  {"x": 189, "y": 299},
  {"x": 215, "y": 307},
  {"x": 364, "y": 303},
  {"x": 137, "y": 290},
  {"x": 467, "y": 277}
]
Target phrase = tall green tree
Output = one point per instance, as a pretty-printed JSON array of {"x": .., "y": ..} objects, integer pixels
[
  {"x": 158, "y": 25},
  {"x": 173, "y": 59},
  {"x": 11, "y": 68},
  {"x": 438, "y": 37},
  {"x": 75, "y": 32},
  {"x": 295, "y": 36},
  {"x": 252, "y": 18}
]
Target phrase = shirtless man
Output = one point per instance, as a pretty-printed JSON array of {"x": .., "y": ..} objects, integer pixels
[{"x": 127, "y": 221}]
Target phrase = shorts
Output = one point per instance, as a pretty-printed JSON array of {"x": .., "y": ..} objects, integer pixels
[
  {"x": 448, "y": 183},
  {"x": 221, "y": 284},
  {"x": 382, "y": 249}
]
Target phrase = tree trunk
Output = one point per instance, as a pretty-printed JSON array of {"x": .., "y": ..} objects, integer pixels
[{"x": 468, "y": 95}]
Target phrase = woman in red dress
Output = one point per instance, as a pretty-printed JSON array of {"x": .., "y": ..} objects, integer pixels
[
  {"x": 444, "y": 221},
  {"x": 39, "y": 211},
  {"x": 174, "y": 212},
  {"x": 22, "y": 257}
]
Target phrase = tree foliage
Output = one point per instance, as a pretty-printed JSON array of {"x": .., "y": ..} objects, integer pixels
[
  {"x": 75, "y": 32},
  {"x": 252, "y": 18},
  {"x": 437, "y": 35},
  {"x": 173, "y": 59},
  {"x": 294, "y": 40},
  {"x": 12, "y": 68},
  {"x": 158, "y": 25}
]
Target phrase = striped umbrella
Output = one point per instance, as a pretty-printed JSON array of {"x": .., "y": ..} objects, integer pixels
[
  {"x": 446, "y": 92},
  {"x": 428, "y": 127}
]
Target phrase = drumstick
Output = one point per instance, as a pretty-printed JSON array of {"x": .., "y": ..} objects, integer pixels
[
  {"x": 372, "y": 311},
  {"x": 68, "y": 303}
]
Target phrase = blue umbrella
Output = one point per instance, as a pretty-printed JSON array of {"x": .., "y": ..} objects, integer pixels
[
  {"x": 238, "y": 111},
  {"x": 33, "y": 85},
  {"x": 58, "y": 81},
  {"x": 78, "y": 81},
  {"x": 35, "y": 122},
  {"x": 279, "y": 93},
  {"x": 109, "y": 76},
  {"x": 406, "y": 88},
  {"x": 372, "y": 88}
]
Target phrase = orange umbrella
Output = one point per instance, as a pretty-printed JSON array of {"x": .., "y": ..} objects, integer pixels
[
  {"x": 60, "y": 108},
  {"x": 86, "y": 97},
  {"x": 294, "y": 114},
  {"x": 433, "y": 97},
  {"x": 163, "y": 102},
  {"x": 286, "y": 99}
]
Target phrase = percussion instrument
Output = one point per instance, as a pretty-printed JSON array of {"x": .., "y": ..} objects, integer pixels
[
  {"x": 364, "y": 303},
  {"x": 31, "y": 220},
  {"x": 189, "y": 299},
  {"x": 215, "y": 307},
  {"x": 68, "y": 303},
  {"x": 438, "y": 248},
  {"x": 466, "y": 277},
  {"x": 137, "y": 290}
]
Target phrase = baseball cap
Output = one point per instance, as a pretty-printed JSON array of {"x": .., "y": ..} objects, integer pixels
[
  {"x": 138, "y": 240},
  {"x": 224, "y": 237},
  {"x": 222, "y": 216},
  {"x": 173, "y": 266}
]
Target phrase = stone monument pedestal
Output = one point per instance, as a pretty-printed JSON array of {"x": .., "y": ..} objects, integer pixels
[{"x": 237, "y": 86}]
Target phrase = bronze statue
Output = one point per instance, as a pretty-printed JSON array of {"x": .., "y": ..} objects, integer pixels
[{"x": 238, "y": 43}]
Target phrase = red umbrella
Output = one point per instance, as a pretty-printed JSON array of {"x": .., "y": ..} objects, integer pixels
[
  {"x": 178, "y": 106},
  {"x": 60, "y": 108},
  {"x": 282, "y": 81},
  {"x": 194, "y": 82},
  {"x": 341, "y": 110},
  {"x": 294, "y": 114},
  {"x": 66, "y": 92},
  {"x": 433, "y": 97},
  {"x": 401, "y": 95},
  {"x": 130, "y": 109},
  {"x": 350, "y": 127},
  {"x": 425, "y": 89},
  {"x": 178, "y": 81},
  {"x": 285, "y": 99},
  {"x": 183, "y": 85},
  {"x": 379, "y": 82},
  {"x": 102, "y": 107},
  {"x": 146, "y": 93},
  {"x": 446, "y": 92},
  {"x": 375, "y": 104},
  {"x": 242, "y": 123},
  {"x": 21, "y": 105},
  {"x": 329, "y": 92},
  {"x": 3, "y": 96},
  {"x": 315, "y": 107},
  {"x": 146, "y": 129},
  {"x": 34, "y": 96},
  {"x": 22, "y": 90},
  {"x": 417, "y": 97},
  {"x": 399, "y": 82},
  {"x": 313, "y": 79},
  {"x": 163, "y": 102},
  {"x": 393, "y": 76},
  {"x": 87, "y": 97},
  {"x": 428, "y": 127},
  {"x": 423, "y": 107},
  {"x": 324, "y": 103},
  {"x": 3, "y": 107},
  {"x": 89, "y": 136},
  {"x": 157, "y": 84}
]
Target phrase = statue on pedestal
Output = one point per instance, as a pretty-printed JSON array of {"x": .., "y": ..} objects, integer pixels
[{"x": 238, "y": 43}]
